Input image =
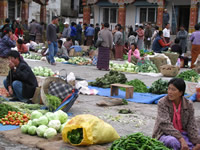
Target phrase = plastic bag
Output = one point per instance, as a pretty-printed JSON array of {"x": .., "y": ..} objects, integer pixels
[
  {"x": 95, "y": 130},
  {"x": 71, "y": 78},
  {"x": 83, "y": 85}
]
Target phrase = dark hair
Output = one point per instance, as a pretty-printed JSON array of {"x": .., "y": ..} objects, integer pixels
[
  {"x": 119, "y": 28},
  {"x": 160, "y": 33},
  {"x": 97, "y": 24},
  {"x": 14, "y": 54},
  {"x": 135, "y": 45},
  {"x": 106, "y": 25},
  {"x": 91, "y": 25},
  {"x": 6, "y": 31},
  {"x": 178, "y": 83},
  {"x": 73, "y": 24},
  {"x": 54, "y": 17},
  {"x": 19, "y": 41},
  {"x": 176, "y": 40},
  {"x": 166, "y": 24},
  {"x": 85, "y": 24},
  {"x": 197, "y": 26},
  {"x": 7, "y": 20},
  {"x": 156, "y": 27},
  {"x": 60, "y": 42},
  {"x": 68, "y": 39},
  {"x": 141, "y": 27},
  {"x": 182, "y": 26}
]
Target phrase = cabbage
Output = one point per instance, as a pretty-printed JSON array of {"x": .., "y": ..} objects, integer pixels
[
  {"x": 43, "y": 120},
  {"x": 32, "y": 130},
  {"x": 35, "y": 122},
  {"x": 50, "y": 132},
  {"x": 62, "y": 116},
  {"x": 51, "y": 116},
  {"x": 29, "y": 123},
  {"x": 63, "y": 125},
  {"x": 35, "y": 115},
  {"x": 24, "y": 128},
  {"x": 55, "y": 124},
  {"x": 40, "y": 130}
]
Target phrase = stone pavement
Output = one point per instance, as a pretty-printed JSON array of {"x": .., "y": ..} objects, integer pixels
[{"x": 141, "y": 120}]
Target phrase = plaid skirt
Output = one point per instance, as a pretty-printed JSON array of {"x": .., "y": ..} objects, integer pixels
[{"x": 103, "y": 58}]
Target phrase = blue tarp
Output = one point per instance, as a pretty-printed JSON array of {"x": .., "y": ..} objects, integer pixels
[
  {"x": 76, "y": 48},
  {"x": 7, "y": 127},
  {"x": 146, "y": 98}
]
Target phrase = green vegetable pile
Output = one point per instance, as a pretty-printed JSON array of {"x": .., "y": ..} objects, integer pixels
[
  {"x": 125, "y": 57},
  {"x": 142, "y": 53},
  {"x": 189, "y": 75},
  {"x": 80, "y": 61},
  {"x": 109, "y": 78},
  {"x": 32, "y": 56},
  {"x": 147, "y": 67},
  {"x": 138, "y": 85},
  {"x": 4, "y": 108},
  {"x": 137, "y": 141},
  {"x": 57, "y": 59},
  {"x": 53, "y": 102},
  {"x": 126, "y": 67},
  {"x": 42, "y": 71},
  {"x": 75, "y": 136},
  {"x": 159, "y": 87}
]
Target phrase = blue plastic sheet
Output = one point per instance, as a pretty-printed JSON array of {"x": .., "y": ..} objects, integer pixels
[
  {"x": 146, "y": 98},
  {"x": 7, "y": 127},
  {"x": 76, "y": 48}
]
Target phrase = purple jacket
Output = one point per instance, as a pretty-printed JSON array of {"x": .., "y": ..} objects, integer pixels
[
  {"x": 5, "y": 45},
  {"x": 195, "y": 38}
]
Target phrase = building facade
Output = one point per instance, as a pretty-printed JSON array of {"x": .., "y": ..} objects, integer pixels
[{"x": 130, "y": 12}]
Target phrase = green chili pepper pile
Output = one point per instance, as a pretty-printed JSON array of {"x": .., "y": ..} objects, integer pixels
[
  {"x": 138, "y": 85},
  {"x": 189, "y": 75},
  {"x": 75, "y": 136},
  {"x": 4, "y": 108},
  {"x": 137, "y": 141}
]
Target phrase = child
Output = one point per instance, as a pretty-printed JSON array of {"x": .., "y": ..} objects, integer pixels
[
  {"x": 21, "y": 47},
  {"x": 62, "y": 51},
  {"x": 133, "y": 54},
  {"x": 176, "y": 47}
]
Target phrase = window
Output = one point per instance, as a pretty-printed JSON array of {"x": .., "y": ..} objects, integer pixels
[
  {"x": 148, "y": 15},
  {"x": 110, "y": 15},
  {"x": 72, "y": 4}
]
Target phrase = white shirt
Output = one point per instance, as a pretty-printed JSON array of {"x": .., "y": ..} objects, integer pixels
[{"x": 166, "y": 33}]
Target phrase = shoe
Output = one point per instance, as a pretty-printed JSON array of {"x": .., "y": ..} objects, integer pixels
[
  {"x": 53, "y": 64},
  {"x": 14, "y": 99}
]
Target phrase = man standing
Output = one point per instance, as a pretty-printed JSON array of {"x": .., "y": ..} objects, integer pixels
[
  {"x": 32, "y": 30},
  {"x": 52, "y": 40},
  {"x": 147, "y": 37},
  {"x": 119, "y": 45},
  {"x": 182, "y": 36},
  {"x": 67, "y": 30},
  {"x": 166, "y": 33},
  {"x": 20, "y": 82},
  {"x": 73, "y": 32},
  {"x": 165, "y": 17},
  {"x": 79, "y": 32},
  {"x": 96, "y": 31},
  {"x": 90, "y": 35}
]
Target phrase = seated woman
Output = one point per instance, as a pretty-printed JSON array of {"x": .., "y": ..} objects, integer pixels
[
  {"x": 21, "y": 47},
  {"x": 68, "y": 44},
  {"x": 175, "y": 124},
  {"x": 62, "y": 51},
  {"x": 6, "y": 42},
  {"x": 176, "y": 47},
  {"x": 133, "y": 54}
]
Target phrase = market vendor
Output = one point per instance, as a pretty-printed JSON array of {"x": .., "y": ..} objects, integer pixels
[
  {"x": 21, "y": 47},
  {"x": 20, "y": 82},
  {"x": 175, "y": 125},
  {"x": 62, "y": 50},
  {"x": 159, "y": 44},
  {"x": 133, "y": 54}
]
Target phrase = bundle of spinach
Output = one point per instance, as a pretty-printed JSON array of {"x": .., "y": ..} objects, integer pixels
[
  {"x": 53, "y": 102},
  {"x": 75, "y": 136},
  {"x": 137, "y": 141},
  {"x": 189, "y": 75},
  {"x": 109, "y": 78},
  {"x": 138, "y": 85},
  {"x": 159, "y": 87}
]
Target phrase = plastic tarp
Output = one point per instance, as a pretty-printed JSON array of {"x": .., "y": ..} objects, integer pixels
[
  {"x": 7, "y": 127},
  {"x": 145, "y": 98}
]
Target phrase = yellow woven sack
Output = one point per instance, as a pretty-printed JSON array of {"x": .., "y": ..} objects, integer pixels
[{"x": 95, "y": 130}]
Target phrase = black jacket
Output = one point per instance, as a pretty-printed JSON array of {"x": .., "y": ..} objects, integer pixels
[{"x": 24, "y": 74}]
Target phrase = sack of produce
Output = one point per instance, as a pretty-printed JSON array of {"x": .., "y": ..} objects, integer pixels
[
  {"x": 172, "y": 56},
  {"x": 169, "y": 70},
  {"x": 87, "y": 130},
  {"x": 4, "y": 68},
  {"x": 158, "y": 61}
]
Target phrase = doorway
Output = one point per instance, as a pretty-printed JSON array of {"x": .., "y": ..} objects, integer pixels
[{"x": 180, "y": 16}]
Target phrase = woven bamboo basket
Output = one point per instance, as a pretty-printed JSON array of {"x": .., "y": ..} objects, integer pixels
[
  {"x": 169, "y": 70},
  {"x": 4, "y": 68}
]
